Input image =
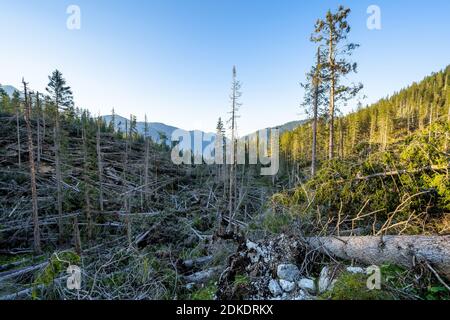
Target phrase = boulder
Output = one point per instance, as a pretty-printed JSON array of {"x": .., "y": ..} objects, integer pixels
[
  {"x": 288, "y": 272},
  {"x": 302, "y": 295},
  {"x": 287, "y": 286},
  {"x": 275, "y": 288},
  {"x": 307, "y": 285},
  {"x": 356, "y": 270},
  {"x": 326, "y": 280}
]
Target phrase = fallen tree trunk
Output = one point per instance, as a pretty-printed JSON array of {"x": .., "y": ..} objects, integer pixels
[
  {"x": 193, "y": 263},
  {"x": 399, "y": 172},
  {"x": 401, "y": 250},
  {"x": 202, "y": 276},
  {"x": 7, "y": 275}
]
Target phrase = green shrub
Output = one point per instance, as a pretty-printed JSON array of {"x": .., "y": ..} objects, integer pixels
[{"x": 277, "y": 222}]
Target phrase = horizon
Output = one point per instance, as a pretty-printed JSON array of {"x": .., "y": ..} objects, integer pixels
[{"x": 178, "y": 56}]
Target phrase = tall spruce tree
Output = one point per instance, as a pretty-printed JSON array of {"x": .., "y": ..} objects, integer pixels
[
  {"x": 315, "y": 88},
  {"x": 34, "y": 201},
  {"x": 332, "y": 33},
  {"x": 61, "y": 97}
]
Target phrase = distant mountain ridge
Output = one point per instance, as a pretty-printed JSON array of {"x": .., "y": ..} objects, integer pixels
[
  {"x": 156, "y": 129},
  {"x": 9, "y": 89}
]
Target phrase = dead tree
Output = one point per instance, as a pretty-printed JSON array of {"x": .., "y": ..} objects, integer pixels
[
  {"x": 126, "y": 200},
  {"x": 36, "y": 232},
  {"x": 146, "y": 164},
  {"x": 38, "y": 129},
  {"x": 400, "y": 250},
  {"x": 86, "y": 183},
  {"x": 19, "y": 151},
  {"x": 235, "y": 95},
  {"x": 76, "y": 235},
  {"x": 316, "y": 82},
  {"x": 62, "y": 97},
  {"x": 99, "y": 166},
  {"x": 57, "y": 145}
]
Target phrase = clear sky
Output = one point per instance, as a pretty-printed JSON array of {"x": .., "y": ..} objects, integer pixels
[{"x": 172, "y": 59}]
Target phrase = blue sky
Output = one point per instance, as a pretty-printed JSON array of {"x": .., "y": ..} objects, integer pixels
[{"x": 172, "y": 59}]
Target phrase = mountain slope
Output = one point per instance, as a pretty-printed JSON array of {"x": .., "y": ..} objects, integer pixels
[{"x": 9, "y": 89}]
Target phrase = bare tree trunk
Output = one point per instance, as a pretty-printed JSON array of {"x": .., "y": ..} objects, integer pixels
[
  {"x": 86, "y": 185},
  {"x": 400, "y": 250},
  {"x": 146, "y": 167},
  {"x": 448, "y": 111},
  {"x": 232, "y": 152},
  {"x": 126, "y": 203},
  {"x": 36, "y": 232},
  {"x": 99, "y": 167},
  {"x": 57, "y": 141},
  {"x": 38, "y": 124},
  {"x": 315, "y": 114},
  {"x": 430, "y": 121},
  {"x": 385, "y": 133},
  {"x": 44, "y": 124},
  {"x": 76, "y": 235},
  {"x": 332, "y": 98},
  {"x": 19, "y": 157},
  {"x": 341, "y": 139},
  {"x": 408, "y": 118}
]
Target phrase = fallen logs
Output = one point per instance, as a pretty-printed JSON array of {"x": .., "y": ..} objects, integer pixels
[{"x": 405, "y": 251}]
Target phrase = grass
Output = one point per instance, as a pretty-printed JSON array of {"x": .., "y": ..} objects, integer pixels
[
  {"x": 206, "y": 293},
  {"x": 350, "y": 286}
]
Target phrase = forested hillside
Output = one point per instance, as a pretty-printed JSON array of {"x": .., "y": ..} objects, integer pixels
[
  {"x": 391, "y": 172},
  {"x": 373, "y": 128}
]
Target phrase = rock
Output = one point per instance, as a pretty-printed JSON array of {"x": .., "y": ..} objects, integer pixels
[
  {"x": 275, "y": 288},
  {"x": 287, "y": 286},
  {"x": 257, "y": 252},
  {"x": 288, "y": 272},
  {"x": 302, "y": 295},
  {"x": 307, "y": 284},
  {"x": 190, "y": 286},
  {"x": 325, "y": 280},
  {"x": 356, "y": 270}
]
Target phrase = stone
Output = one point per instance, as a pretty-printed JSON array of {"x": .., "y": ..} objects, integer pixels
[
  {"x": 287, "y": 286},
  {"x": 356, "y": 270},
  {"x": 288, "y": 272},
  {"x": 325, "y": 280},
  {"x": 302, "y": 295},
  {"x": 307, "y": 285},
  {"x": 190, "y": 286},
  {"x": 275, "y": 288}
]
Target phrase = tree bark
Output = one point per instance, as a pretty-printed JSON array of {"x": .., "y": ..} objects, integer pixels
[
  {"x": 38, "y": 129},
  {"x": 19, "y": 158},
  {"x": 36, "y": 232},
  {"x": 86, "y": 184},
  {"x": 332, "y": 93},
  {"x": 315, "y": 111},
  {"x": 99, "y": 167},
  {"x": 57, "y": 142},
  {"x": 401, "y": 250}
]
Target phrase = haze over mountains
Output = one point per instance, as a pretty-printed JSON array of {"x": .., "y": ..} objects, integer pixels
[{"x": 160, "y": 131}]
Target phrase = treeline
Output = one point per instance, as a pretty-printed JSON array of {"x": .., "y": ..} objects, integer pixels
[{"x": 373, "y": 128}]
